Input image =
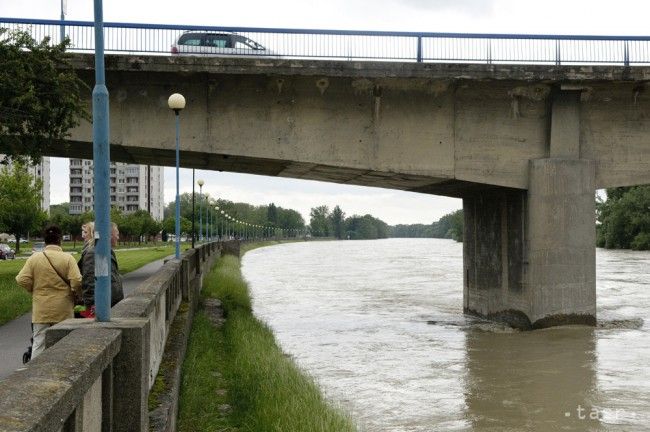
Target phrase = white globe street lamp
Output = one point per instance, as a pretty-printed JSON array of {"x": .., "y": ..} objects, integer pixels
[{"x": 176, "y": 102}]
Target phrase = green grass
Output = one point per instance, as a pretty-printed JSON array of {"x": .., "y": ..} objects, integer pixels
[
  {"x": 130, "y": 260},
  {"x": 240, "y": 365},
  {"x": 14, "y": 301}
]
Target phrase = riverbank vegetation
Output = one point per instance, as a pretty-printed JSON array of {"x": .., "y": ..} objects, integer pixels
[
  {"x": 623, "y": 220},
  {"x": 450, "y": 226},
  {"x": 15, "y": 301},
  {"x": 334, "y": 223},
  {"x": 326, "y": 223},
  {"x": 235, "y": 377}
]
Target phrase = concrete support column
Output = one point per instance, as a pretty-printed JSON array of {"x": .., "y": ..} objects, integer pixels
[
  {"x": 529, "y": 258},
  {"x": 493, "y": 256},
  {"x": 561, "y": 251}
]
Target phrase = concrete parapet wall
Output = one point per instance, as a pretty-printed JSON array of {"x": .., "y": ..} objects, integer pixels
[
  {"x": 96, "y": 376},
  {"x": 62, "y": 388}
]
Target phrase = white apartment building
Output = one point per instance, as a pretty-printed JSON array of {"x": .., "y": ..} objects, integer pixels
[
  {"x": 133, "y": 187},
  {"x": 41, "y": 171}
]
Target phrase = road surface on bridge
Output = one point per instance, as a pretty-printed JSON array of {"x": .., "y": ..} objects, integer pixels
[{"x": 15, "y": 335}]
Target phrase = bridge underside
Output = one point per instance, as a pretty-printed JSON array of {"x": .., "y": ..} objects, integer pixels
[{"x": 279, "y": 168}]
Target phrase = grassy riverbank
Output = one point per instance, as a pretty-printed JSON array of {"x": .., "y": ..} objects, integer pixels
[
  {"x": 14, "y": 301},
  {"x": 236, "y": 378}
]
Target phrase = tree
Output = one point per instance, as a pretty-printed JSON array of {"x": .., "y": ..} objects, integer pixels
[
  {"x": 20, "y": 202},
  {"x": 319, "y": 221},
  {"x": 169, "y": 226},
  {"x": 457, "y": 225},
  {"x": 290, "y": 219},
  {"x": 137, "y": 225},
  {"x": 337, "y": 221},
  {"x": 365, "y": 227},
  {"x": 624, "y": 218},
  {"x": 40, "y": 96},
  {"x": 272, "y": 215}
]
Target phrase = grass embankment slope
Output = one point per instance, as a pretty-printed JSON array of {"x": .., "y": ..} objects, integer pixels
[
  {"x": 14, "y": 301},
  {"x": 235, "y": 377}
]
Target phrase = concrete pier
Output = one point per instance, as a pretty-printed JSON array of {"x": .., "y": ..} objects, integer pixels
[{"x": 529, "y": 256}]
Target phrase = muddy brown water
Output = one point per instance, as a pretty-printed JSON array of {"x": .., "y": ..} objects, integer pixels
[{"x": 379, "y": 326}]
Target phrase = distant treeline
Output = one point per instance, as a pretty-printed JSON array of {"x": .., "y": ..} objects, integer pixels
[
  {"x": 334, "y": 223},
  {"x": 623, "y": 222},
  {"x": 449, "y": 226}
]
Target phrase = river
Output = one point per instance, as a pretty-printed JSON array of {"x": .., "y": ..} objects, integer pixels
[{"x": 379, "y": 325}]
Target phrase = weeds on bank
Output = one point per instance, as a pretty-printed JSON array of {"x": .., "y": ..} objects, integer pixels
[{"x": 236, "y": 378}]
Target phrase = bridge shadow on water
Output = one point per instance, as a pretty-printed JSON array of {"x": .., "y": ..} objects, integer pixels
[{"x": 540, "y": 380}]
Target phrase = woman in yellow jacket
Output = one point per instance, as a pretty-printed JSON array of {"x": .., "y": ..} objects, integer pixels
[{"x": 53, "y": 279}]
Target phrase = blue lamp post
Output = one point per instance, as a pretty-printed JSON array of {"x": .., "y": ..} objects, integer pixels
[
  {"x": 101, "y": 158},
  {"x": 176, "y": 102},
  {"x": 207, "y": 217},
  {"x": 223, "y": 218},
  {"x": 201, "y": 183},
  {"x": 219, "y": 234},
  {"x": 63, "y": 12}
]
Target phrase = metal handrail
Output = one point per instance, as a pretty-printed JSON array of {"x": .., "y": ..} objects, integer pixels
[{"x": 366, "y": 45}]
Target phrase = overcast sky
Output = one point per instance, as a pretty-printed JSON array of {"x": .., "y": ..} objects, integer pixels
[{"x": 594, "y": 17}]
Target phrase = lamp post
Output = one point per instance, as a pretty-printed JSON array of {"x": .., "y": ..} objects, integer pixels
[
  {"x": 211, "y": 219},
  {"x": 222, "y": 223},
  {"x": 101, "y": 158},
  {"x": 216, "y": 208},
  {"x": 193, "y": 230},
  {"x": 176, "y": 103},
  {"x": 208, "y": 213},
  {"x": 201, "y": 183},
  {"x": 63, "y": 11}
]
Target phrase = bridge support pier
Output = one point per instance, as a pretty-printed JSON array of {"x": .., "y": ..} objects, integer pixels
[{"x": 529, "y": 256}]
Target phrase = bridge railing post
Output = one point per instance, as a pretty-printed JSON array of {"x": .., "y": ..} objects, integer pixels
[
  {"x": 419, "y": 54},
  {"x": 489, "y": 51}
]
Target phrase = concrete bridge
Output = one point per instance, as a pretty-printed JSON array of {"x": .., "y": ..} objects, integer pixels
[{"x": 525, "y": 147}]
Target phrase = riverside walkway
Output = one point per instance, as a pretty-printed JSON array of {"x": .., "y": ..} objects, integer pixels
[{"x": 15, "y": 335}]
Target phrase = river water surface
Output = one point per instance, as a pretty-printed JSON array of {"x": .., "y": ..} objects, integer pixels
[{"x": 379, "y": 325}]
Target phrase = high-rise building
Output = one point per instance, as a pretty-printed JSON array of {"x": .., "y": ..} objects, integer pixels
[
  {"x": 132, "y": 187},
  {"x": 41, "y": 171}
]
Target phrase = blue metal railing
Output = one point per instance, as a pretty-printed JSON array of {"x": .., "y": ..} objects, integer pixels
[{"x": 358, "y": 45}]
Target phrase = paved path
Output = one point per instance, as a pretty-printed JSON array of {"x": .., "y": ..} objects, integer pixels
[{"x": 14, "y": 335}]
